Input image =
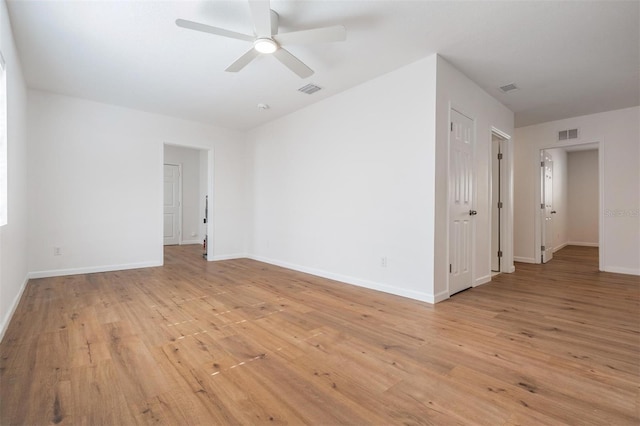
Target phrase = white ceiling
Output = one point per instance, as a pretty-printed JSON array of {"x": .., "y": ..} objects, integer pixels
[{"x": 569, "y": 58}]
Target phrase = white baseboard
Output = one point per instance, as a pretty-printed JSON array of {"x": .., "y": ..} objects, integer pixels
[
  {"x": 443, "y": 295},
  {"x": 582, "y": 243},
  {"x": 188, "y": 242},
  {"x": 230, "y": 256},
  {"x": 411, "y": 294},
  {"x": 560, "y": 247},
  {"x": 482, "y": 280},
  {"x": 620, "y": 270},
  {"x": 14, "y": 305},
  {"x": 92, "y": 269},
  {"x": 524, "y": 259}
]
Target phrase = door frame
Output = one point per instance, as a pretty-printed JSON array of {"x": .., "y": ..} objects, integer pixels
[
  {"x": 506, "y": 180},
  {"x": 210, "y": 193},
  {"x": 179, "y": 201},
  {"x": 545, "y": 216},
  {"x": 600, "y": 146}
]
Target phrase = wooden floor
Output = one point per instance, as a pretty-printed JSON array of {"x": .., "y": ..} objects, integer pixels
[{"x": 242, "y": 342}]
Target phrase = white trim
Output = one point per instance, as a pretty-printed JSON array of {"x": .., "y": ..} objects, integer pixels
[
  {"x": 500, "y": 133},
  {"x": 12, "y": 310},
  {"x": 560, "y": 247},
  {"x": 524, "y": 260},
  {"x": 371, "y": 285},
  {"x": 583, "y": 244},
  {"x": 211, "y": 182},
  {"x": 482, "y": 280},
  {"x": 230, "y": 256},
  {"x": 621, "y": 270},
  {"x": 443, "y": 295},
  {"x": 93, "y": 269},
  {"x": 188, "y": 242},
  {"x": 506, "y": 219}
]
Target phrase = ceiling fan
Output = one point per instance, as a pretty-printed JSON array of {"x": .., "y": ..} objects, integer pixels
[{"x": 267, "y": 40}]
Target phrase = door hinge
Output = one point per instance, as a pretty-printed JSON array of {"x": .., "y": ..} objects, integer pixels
[
  {"x": 499, "y": 253},
  {"x": 543, "y": 248},
  {"x": 499, "y": 204},
  {"x": 452, "y": 126},
  {"x": 542, "y": 205},
  {"x": 450, "y": 268},
  {"x": 499, "y": 156},
  {"x": 542, "y": 164}
]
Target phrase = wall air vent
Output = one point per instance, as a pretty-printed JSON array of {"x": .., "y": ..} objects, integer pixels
[
  {"x": 508, "y": 88},
  {"x": 563, "y": 135},
  {"x": 309, "y": 89}
]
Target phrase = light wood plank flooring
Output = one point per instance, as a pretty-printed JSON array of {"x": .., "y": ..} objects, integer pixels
[{"x": 242, "y": 342}]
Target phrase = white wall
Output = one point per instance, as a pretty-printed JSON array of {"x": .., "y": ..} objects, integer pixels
[
  {"x": 349, "y": 180},
  {"x": 13, "y": 236},
  {"x": 583, "y": 200},
  {"x": 189, "y": 159},
  {"x": 560, "y": 200},
  {"x": 618, "y": 134},
  {"x": 457, "y": 91},
  {"x": 95, "y": 184}
]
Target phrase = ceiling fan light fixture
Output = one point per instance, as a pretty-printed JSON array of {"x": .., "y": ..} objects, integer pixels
[{"x": 265, "y": 45}]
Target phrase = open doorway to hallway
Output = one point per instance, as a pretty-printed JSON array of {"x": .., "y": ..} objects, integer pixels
[
  {"x": 185, "y": 189},
  {"x": 569, "y": 209}
]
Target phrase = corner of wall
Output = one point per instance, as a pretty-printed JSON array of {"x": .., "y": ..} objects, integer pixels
[
  {"x": 12, "y": 308},
  {"x": 13, "y": 235}
]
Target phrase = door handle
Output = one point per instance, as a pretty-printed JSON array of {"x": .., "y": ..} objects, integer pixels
[
  {"x": 472, "y": 212},
  {"x": 553, "y": 212}
]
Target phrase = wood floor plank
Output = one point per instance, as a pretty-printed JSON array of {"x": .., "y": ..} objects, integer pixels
[{"x": 243, "y": 342}]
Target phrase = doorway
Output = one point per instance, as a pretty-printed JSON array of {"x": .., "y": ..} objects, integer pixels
[
  {"x": 498, "y": 197},
  {"x": 500, "y": 184},
  {"x": 497, "y": 203},
  {"x": 193, "y": 167},
  {"x": 570, "y": 196},
  {"x": 546, "y": 206}
]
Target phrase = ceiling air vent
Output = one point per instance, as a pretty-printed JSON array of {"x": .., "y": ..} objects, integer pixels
[
  {"x": 509, "y": 88},
  {"x": 309, "y": 89},
  {"x": 563, "y": 135}
]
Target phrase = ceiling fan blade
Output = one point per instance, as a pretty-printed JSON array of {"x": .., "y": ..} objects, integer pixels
[
  {"x": 212, "y": 30},
  {"x": 261, "y": 13},
  {"x": 243, "y": 60},
  {"x": 293, "y": 63},
  {"x": 316, "y": 35}
]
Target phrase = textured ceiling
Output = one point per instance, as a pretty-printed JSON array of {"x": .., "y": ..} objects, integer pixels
[{"x": 568, "y": 58}]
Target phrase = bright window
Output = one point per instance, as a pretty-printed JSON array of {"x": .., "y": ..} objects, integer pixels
[{"x": 3, "y": 142}]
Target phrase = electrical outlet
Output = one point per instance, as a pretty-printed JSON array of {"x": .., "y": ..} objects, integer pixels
[
  {"x": 383, "y": 261},
  {"x": 57, "y": 251}
]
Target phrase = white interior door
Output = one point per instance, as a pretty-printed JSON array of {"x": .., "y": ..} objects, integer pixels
[
  {"x": 547, "y": 206},
  {"x": 171, "y": 204},
  {"x": 461, "y": 196}
]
